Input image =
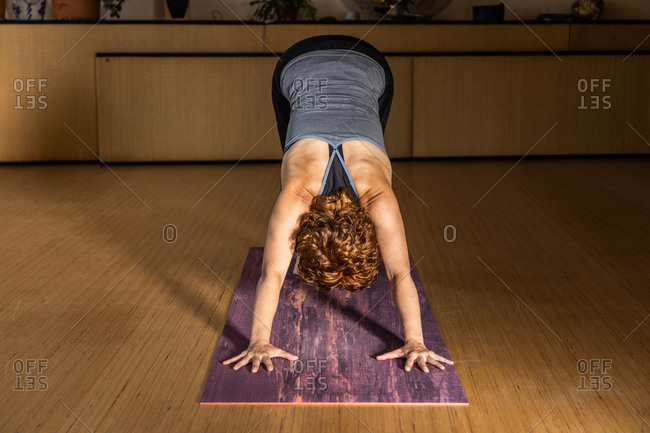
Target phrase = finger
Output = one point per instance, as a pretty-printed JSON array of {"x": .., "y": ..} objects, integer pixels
[
  {"x": 286, "y": 355},
  {"x": 267, "y": 363},
  {"x": 234, "y": 358},
  {"x": 242, "y": 362},
  {"x": 436, "y": 363},
  {"x": 409, "y": 362},
  {"x": 423, "y": 365},
  {"x": 256, "y": 364},
  {"x": 435, "y": 358},
  {"x": 397, "y": 353}
]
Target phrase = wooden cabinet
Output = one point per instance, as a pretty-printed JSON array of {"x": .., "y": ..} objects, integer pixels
[
  {"x": 607, "y": 104},
  {"x": 186, "y": 108},
  {"x": 64, "y": 56},
  {"x": 189, "y": 108},
  {"x": 421, "y": 37},
  {"x": 610, "y": 36},
  {"x": 511, "y": 105},
  {"x": 483, "y": 105},
  {"x": 181, "y": 92}
]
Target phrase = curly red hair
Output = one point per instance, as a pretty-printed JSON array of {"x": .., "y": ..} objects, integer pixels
[{"x": 336, "y": 244}]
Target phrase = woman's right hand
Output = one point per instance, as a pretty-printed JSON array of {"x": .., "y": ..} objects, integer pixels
[{"x": 259, "y": 352}]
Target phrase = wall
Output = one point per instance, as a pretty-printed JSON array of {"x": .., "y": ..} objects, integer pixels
[{"x": 457, "y": 10}]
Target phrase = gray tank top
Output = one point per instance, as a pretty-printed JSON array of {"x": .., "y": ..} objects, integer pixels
[{"x": 333, "y": 97}]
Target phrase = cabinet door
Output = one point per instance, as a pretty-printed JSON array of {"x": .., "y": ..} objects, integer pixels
[
  {"x": 398, "y": 136},
  {"x": 512, "y": 105},
  {"x": 608, "y": 104},
  {"x": 185, "y": 108}
]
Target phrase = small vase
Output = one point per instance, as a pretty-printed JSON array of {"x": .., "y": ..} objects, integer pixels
[
  {"x": 28, "y": 10},
  {"x": 3, "y": 5},
  {"x": 76, "y": 9},
  {"x": 177, "y": 9}
]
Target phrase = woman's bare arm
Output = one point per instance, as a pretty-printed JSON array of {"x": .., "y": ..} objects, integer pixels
[
  {"x": 389, "y": 227},
  {"x": 291, "y": 203},
  {"x": 278, "y": 251}
]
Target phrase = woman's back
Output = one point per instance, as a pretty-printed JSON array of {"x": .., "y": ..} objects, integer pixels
[
  {"x": 334, "y": 134},
  {"x": 304, "y": 164}
]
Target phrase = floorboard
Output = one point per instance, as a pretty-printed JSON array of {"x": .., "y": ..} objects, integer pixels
[{"x": 542, "y": 295}]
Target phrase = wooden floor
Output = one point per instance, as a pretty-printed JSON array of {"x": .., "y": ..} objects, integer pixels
[{"x": 542, "y": 297}]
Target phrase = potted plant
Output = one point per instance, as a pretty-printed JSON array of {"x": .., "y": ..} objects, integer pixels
[
  {"x": 115, "y": 6},
  {"x": 282, "y": 10}
]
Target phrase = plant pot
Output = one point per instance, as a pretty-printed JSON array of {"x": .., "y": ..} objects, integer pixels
[
  {"x": 290, "y": 13},
  {"x": 76, "y": 9},
  {"x": 586, "y": 10},
  {"x": 177, "y": 9}
]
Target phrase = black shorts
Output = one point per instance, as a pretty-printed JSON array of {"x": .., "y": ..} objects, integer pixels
[{"x": 282, "y": 106}]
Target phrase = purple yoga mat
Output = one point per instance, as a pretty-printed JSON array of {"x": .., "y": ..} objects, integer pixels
[{"x": 336, "y": 336}]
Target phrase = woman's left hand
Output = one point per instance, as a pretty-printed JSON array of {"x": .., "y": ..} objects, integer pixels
[{"x": 416, "y": 351}]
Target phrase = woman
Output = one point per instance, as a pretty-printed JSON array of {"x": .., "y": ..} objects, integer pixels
[{"x": 338, "y": 214}]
